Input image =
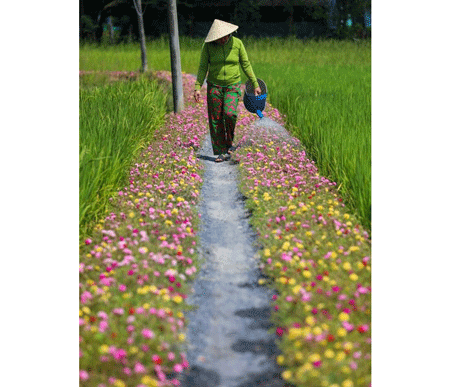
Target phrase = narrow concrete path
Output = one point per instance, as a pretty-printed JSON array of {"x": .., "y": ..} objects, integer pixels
[{"x": 229, "y": 343}]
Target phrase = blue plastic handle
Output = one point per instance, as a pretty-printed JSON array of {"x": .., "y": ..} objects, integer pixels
[{"x": 258, "y": 112}]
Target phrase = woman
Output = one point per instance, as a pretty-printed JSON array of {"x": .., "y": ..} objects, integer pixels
[{"x": 220, "y": 59}]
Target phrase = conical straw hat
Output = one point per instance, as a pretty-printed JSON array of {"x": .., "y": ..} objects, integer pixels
[{"x": 219, "y": 29}]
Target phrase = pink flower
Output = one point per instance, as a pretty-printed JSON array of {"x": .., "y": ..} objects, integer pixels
[
  {"x": 85, "y": 296},
  {"x": 171, "y": 356},
  {"x": 139, "y": 368},
  {"x": 103, "y": 326},
  {"x": 178, "y": 368},
  {"x": 122, "y": 287},
  {"x": 147, "y": 333},
  {"x": 102, "y": 315},
  {"x": 127, "y": 371},
  {"x": 119, "y": 354},
  {"x": 88, "y": 242},
  {"x": 349, "y": 327},
  {"x": 84, "y": 375}
]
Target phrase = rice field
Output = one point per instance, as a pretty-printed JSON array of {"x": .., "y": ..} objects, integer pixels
[
  {"x": 116, "y": 121},
  {"x": 323, "y": 87}
]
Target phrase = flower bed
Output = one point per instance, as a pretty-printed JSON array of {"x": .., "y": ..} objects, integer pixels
[
  {"x": 135, "y": 268},
  {"x": 314, "y": 254}
]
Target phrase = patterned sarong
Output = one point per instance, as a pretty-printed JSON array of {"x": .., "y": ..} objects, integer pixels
[{"x": 222, "y": 115}]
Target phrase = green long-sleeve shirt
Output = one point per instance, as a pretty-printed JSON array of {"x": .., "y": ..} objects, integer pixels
[{"x": 221, "y": 63}]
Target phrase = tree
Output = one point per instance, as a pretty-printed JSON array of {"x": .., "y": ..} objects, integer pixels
[
  {"x": 177, "y": 82},
  {"x": 140, "y": 16}
]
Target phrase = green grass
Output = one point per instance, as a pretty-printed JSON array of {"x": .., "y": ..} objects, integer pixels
[
  {"x": 324, "y": 88},
  {"x": 116, "y": 121}
]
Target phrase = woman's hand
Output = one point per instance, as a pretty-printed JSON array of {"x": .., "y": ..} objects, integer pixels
[
  {"x": 197, "y": 96},
  {"x": 258, "y": 91}
]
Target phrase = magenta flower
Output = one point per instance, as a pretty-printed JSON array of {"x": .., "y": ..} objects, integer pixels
[
  {"x": 178, "y": 368},
  {"x": 139, "y": 368},
  {"x": 84, "y": 375},
  {"x": 349, "y": 327},
  {"x": 147, "y": 333}
]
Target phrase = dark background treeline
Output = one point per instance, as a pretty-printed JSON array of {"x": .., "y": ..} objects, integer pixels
[{"x": 301, "y": 18}]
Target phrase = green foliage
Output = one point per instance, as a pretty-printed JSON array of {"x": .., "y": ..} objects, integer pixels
[
  {"x": 116, "y": 122},
  {"x": 247, "y": 13}
]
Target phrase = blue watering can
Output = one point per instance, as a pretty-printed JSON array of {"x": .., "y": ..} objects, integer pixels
[{"x": 255, "y": 103}]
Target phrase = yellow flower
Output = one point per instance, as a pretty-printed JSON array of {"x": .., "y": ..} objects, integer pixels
[
  {"x": 294, "y": 333},
  {"x": 286, "y": 375},
  {"x": 353, "y": 277},
  {"x": 354, "y": 248},
  {"x": 148, "y": 381},
  {"x": 103, "y": 348},
  {"x": 343, "y": 316},
  {"x": 314, "y": 357},
  {"x": 348, "y": 346},
  {"x": 131, "y": 214},
  {"x": 119, "y": 383},
  {"x": 177, "y": 299},
  {"x": 181, "y": 337},
  {"x": 347, "y": 266},
  {"x": 134, "y": 350},
  {"x": 347, "y": 383},
  {"x": 341, "y": 332},
  {"x": 280, "y": 359},
  {"x": 340, "y": 356},
  {"x": 267, "y": 253},
  {"x": 329, "y": 353},
  {"x": 317, "y": 331},
  {"x": 345, "y": 369},
  {"x": 310, "y": 320},
  {"x": 298, "y": 356},
  {"x": 296, "y": 289},
  {"x": 306, "y": 273}
]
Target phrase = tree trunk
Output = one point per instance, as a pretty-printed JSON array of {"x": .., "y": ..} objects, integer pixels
[
  {"x": 175, "y": 59},
  {"x": 140, "y": 17},
  {"x": 111, "y": 30}
]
